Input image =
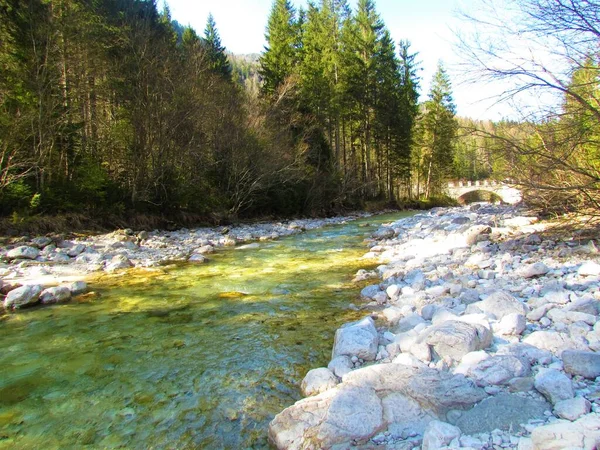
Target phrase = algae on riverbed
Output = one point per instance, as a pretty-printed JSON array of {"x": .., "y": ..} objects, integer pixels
[{"x": 179, "y": 358}]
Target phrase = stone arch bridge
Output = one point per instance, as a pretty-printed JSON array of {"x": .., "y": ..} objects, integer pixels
[{"x": 506, "y": 191}]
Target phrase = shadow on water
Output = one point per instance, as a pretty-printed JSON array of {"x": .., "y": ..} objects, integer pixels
[{"x": 191, "y": 357}]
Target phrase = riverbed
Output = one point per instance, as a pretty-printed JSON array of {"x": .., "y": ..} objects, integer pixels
[{"x": 187, "y": 356}]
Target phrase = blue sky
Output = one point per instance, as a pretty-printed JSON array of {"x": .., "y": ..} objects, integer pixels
[{"x": 428, "y": 24}]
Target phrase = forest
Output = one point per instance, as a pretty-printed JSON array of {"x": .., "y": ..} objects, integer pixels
[{"x": 111, "y": 109}]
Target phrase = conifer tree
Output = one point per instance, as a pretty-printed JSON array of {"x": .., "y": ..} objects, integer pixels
[
  {"x": 281, "y": 53},
  {"x": 217, "y": 59},
  {"x": 438, "y": 133}
]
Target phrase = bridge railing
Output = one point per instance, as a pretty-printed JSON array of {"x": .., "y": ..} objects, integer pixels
[{"x": 477, "y": 183}]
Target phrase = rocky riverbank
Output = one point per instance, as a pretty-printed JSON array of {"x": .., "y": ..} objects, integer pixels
[
  {"x": 43, "y": 269},
  {"x": 482, "y": 334}
]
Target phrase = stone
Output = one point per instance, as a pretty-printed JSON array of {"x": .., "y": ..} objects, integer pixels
[
  {"x": 472, "y": 234},
  {"x": 370, "y": 291},
  {"x": 408, "y": 323},
  {"x": 584, "y": 434},
  {"x": 205, "y": 249},
  {"x": 585, "y": 305},
  {"x": 384, "y": 233},
  {"x": 511, "y": 325},
  {"x": 403, "y": 415},
  {"x": 340, "y": 366},
  {"x": 503, "y": 411},
  {"x": 197, "y": 258},
  {"x": 392, "y": 315},
  {"x": 57, "y": 294},
  {"x": 317, "y": 381},
  {"x": 77, "y": 287},
  {"x": 560, "y": 296},
  {"x": 500, "y": 304},
  {"x": 567, "y": 317},
  {"x": 393, "y": 291},
  {"x": 533, "y": 239},
  {"x": 428, "y": 311},
  {"x": 380, "y": 298},
  {"x": 434, "y": 390},
  {"x": 573, "y": 408},
  {"x": 118, "y": 262},
  {"x": 589, "y": 269},
  {"x": 533, "y": 270},
  {"x": 23, "y": 252},
  {"x": 328, "y": 419},
  {"x": 23, "y": 296},
  {"x": 439, "y": 434},
  {"x": 41, "y": 242},
  {"x": 554, "y": 385},
  {"x": 498, "y": 370},
  {"x": 586, "y": 364},
  {"x": 455, "y": 338},
  {"x": 76, "y": 250},
  {"x": 520, "y": 384},
  {"x": 357, "y": 339},
  {"x": 553, "y": 341}
]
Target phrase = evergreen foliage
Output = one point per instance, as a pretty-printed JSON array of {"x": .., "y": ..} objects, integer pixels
[{"x": 114, "y": 108}]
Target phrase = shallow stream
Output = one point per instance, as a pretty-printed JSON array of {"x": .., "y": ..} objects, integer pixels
[{"x": 182, "y": 357}]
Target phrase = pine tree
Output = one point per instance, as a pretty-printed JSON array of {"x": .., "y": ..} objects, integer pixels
[
  {"x": 217, "y": 59},
  {"x": 438, "y": 133},
  {"x": 281, "y": 53},
  {"x": 408, "y": 112}
]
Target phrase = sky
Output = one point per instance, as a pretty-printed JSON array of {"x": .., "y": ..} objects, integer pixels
[{"x": 428, "y": 24}]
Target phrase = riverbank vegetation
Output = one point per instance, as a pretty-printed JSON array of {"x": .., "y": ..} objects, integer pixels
[{"x": 112, "y": 110}]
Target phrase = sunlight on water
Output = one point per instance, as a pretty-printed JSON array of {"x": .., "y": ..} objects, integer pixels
[{"x": 183, "y": 356}]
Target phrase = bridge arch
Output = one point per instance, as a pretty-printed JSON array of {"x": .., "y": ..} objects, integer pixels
[{"x": 504, "y": 190}]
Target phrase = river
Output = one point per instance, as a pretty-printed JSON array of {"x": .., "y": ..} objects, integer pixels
[{"x": 183, "y": 357}]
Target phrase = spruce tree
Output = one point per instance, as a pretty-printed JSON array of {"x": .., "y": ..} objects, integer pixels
[
  {"x": 217, "y": 59},
  {"x": 281, "y": 53},
  {"x": 439, "y": 133}
]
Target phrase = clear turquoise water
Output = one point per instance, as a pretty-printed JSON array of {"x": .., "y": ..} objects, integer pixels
[{"x": 183, "y": 357}]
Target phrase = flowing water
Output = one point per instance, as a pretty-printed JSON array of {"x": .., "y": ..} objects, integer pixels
[{"x": 183, "y": 357}]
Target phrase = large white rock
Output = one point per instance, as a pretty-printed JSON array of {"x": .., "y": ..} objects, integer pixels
[
  {"x": 511, "y": 325},
  {"x": 554, "y": 385},
  {"x": 589, "y": 269},
  {"x": 317, "y": 381},
  {"x": 439, "y": 434},
  {"x": 392, "y": 314},
  {"x": 500, "y": 304},
  {"x": 57, "y": 294},
  {"x": 553, "y": 341},
  {"x": 455, "y": 338},
  {"x": 586, "y": 364},
  {"x": 573, "y": 408},
  {"x": 340, "y": 365},
  {"x": 533, "y": 270},
  {"x": 118, "y": 262},
  {"x": 77, "y": 287},
  {"x": 23, "y": 296},
  {"x": 584, "y": 434},
  {"x": 357, "y": 339},
  {"x": 23, "y": 252},
  {"x": 498, "y": 370},
  {"x": 328, "y": 419}
]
